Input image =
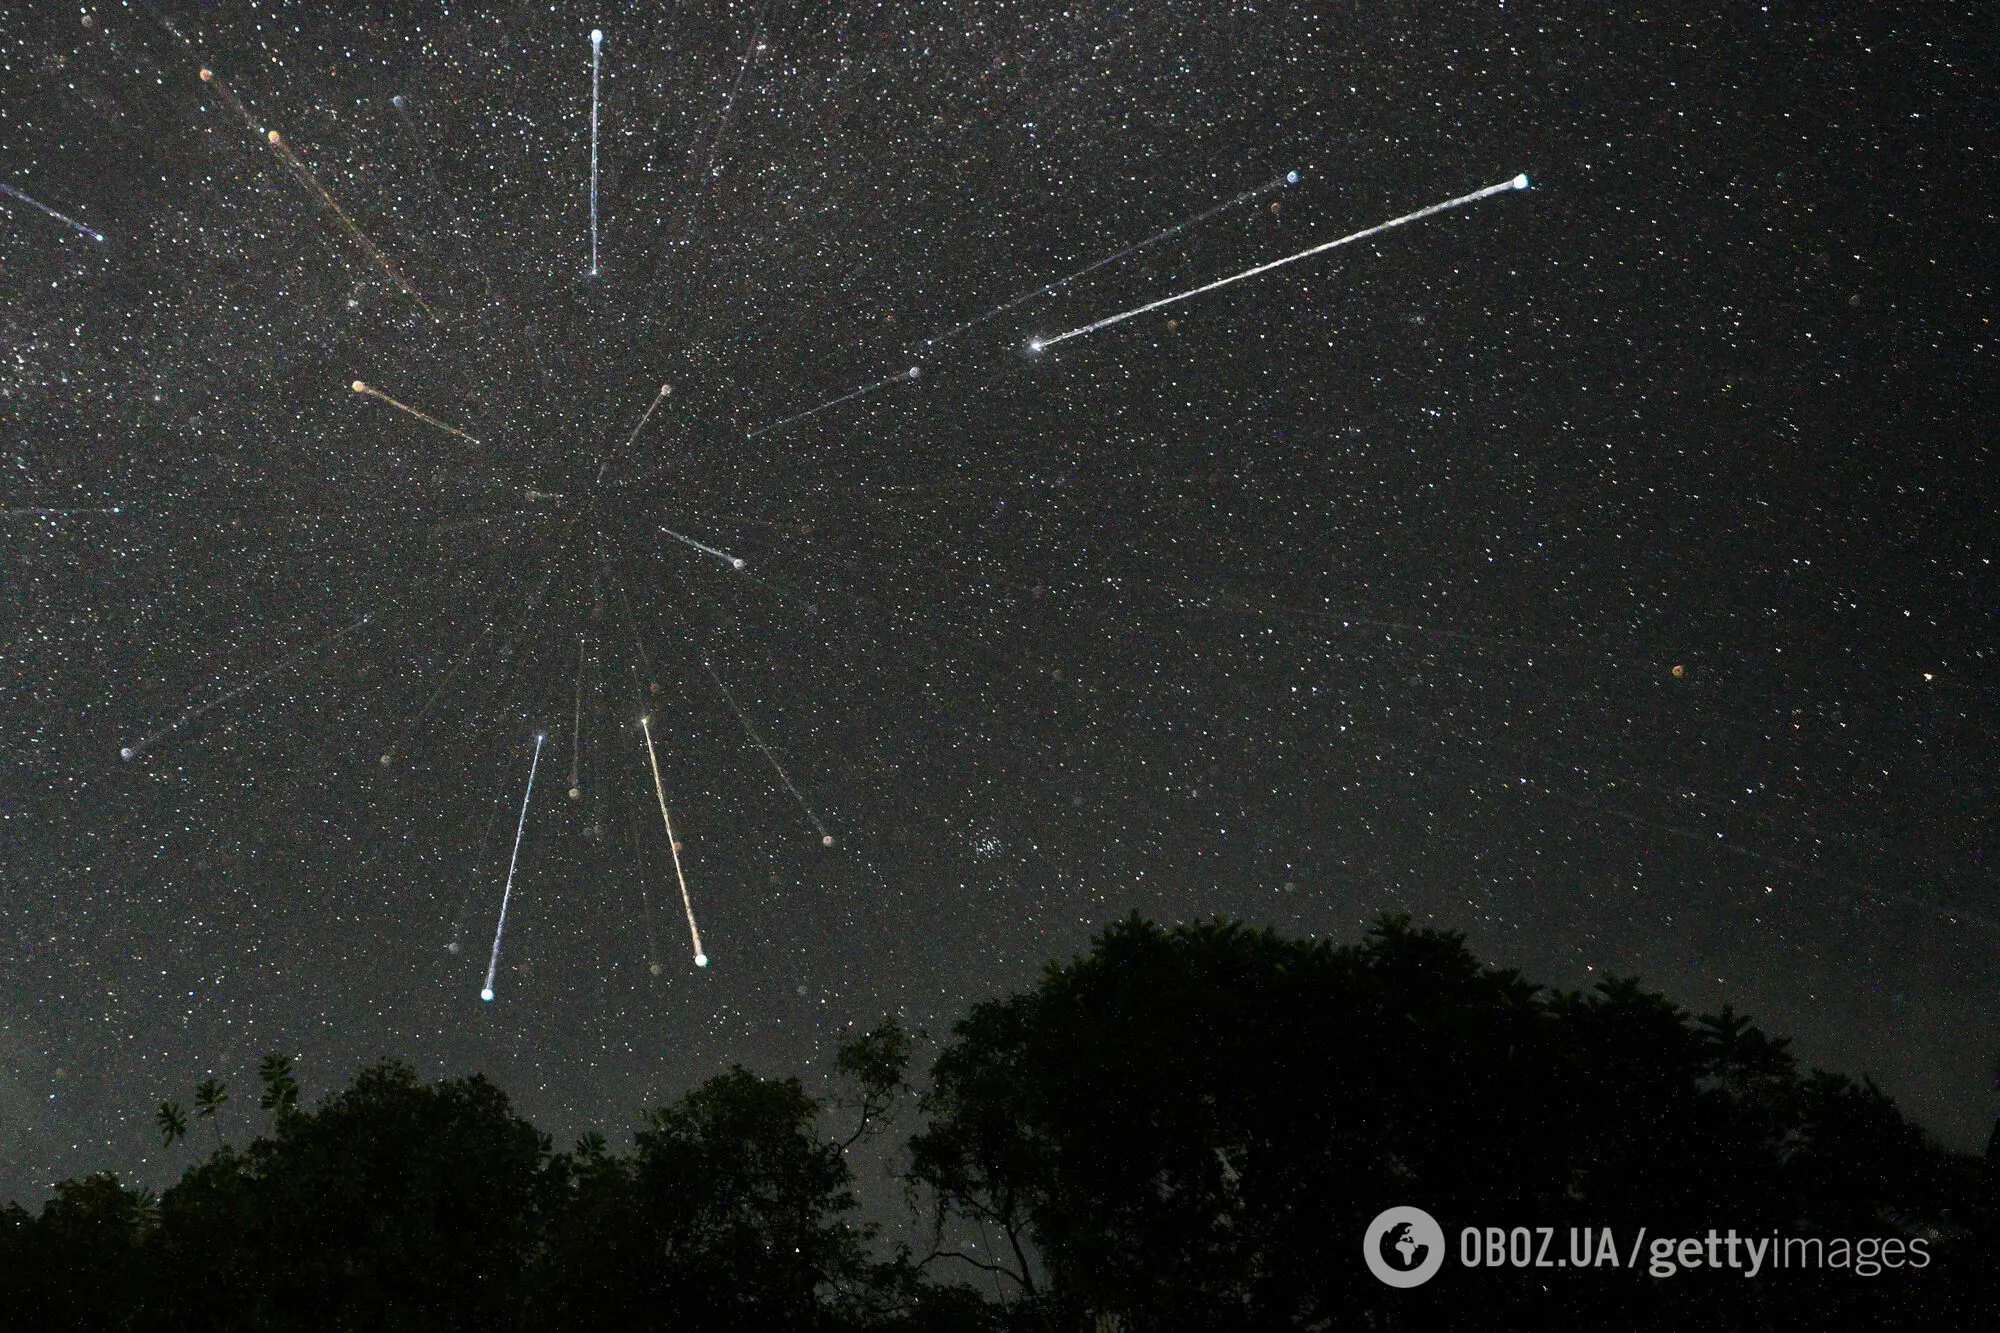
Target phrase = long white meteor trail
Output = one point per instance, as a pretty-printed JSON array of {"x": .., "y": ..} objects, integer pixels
[
  {"x": 734, "y": 562},
  {"x": 939, "y": 339},
  {"x": 1517, "y": 183},
  {"x": 506, "y": 894},
  {"x": 596, "y": 58}
]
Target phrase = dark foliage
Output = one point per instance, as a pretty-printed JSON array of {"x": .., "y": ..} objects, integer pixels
[
  {"x": 1183, "y": 1129},
  {"x": 1194, "y": 1127},
  {"x": 396, "y": 1205},
  {"x": 726, "y": 1216},
  {"x": 73, "y": 1267}
]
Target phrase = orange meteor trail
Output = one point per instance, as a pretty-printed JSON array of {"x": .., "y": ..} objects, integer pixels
[
  {"x": 425, "y": 417},
  {"x": 305, "y": 176},
  {"x": 700, "y": 958}
]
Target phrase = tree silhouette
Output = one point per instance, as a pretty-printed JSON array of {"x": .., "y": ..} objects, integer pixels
[
  {"x": 876, "y": 1061},
  {"x": 172, "y": 1123},
  {"x": 1191, "y": 1128},
  {"x": 82, "y": 1264},
  {"x": 734, "y": 1212},
  {"x": 281, "y": 1089},
  {"x": 724, "y": 1214},
  {"x": 1186, "y": 1128},
  {"x": 394, "y": 1204},
  {"x": 210, "y": 1095}
]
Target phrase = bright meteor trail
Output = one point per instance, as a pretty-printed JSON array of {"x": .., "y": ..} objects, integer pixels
[
  {"x": 425, "y": 417},
  {"x": 596, "y": 57},
  {"x": 673, "y": 845},
  {"x": 1517, "y": 183},
  {"x": 506, "y": 894},
  {"x": 63, "y": 218},
  {"x": 734, "y": 562},
  {"x": 938, "y": 340}
]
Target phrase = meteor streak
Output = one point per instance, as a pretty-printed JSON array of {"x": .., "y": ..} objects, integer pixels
[
  {"x": 451, "y": 673},
  {"x": 644, "y": 417},
  {"x": 425, "y": 417},
  {"x": 507, "y": 894},
  {"x": 825, "y": 838},
  {"x": 734, "y": 562},
  {"x": 596, "y": 53},
  {"x": 1289, "y": 178},
  {"x": 700, "y": 958},
  {"x": 576, "y": 728},
  {"x": 912, "y": 373},
  {"x": 1517, "y": 183},
  {"x": 140, "y": 746},
  {"x": 242, "y": 113},
  {"x": 708, "y": 170},
  {"x": 305, "y": 177},
  {"x": 63, "y": 218}
]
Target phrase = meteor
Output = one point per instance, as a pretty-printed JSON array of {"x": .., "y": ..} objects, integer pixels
[
  {"x": 425, "y": 417},
  {"x": 451, "y": 674},
  {"x": 1517, "y": 183},
  {"x": 596, "y": 54},
  {"x": 305, "y": 177},
  {"x": 709, "y": 170},
  {"x": 700, "y": 958},
  {"x": 507, "y": 894},
  {"x": 605, "y": 460},
  {"x": 140, "y": 746},
  {"x": 825, "y": 838},
  {"x": 1288, "y": 179},
  {"x": 63, "y": 218},
  {"x": 734, "y": 562},
  {"x": 906, "y": 377},
  {"x": 576, "y": 729}
]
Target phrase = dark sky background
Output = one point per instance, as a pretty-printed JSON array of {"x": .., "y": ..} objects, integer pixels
[{"x": 1356, "y": 588}]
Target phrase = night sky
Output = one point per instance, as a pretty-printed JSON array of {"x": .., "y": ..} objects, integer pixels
[{"x": 1601, "y": 569}]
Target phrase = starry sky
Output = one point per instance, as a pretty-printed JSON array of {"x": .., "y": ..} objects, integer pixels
[{"x": 1597, "y": 570}]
